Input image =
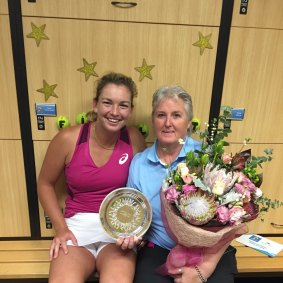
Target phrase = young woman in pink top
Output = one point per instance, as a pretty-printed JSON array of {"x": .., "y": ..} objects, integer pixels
[{"x": 95, "y": 158}]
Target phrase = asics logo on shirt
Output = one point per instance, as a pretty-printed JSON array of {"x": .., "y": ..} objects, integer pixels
[{"x": 124, "y": 158}]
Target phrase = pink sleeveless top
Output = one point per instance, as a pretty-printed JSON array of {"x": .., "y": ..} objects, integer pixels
[{"x": 88, "y": 184}]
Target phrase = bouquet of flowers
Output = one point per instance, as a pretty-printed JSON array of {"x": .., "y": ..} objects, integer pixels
[{"x": 209, "y": 198}]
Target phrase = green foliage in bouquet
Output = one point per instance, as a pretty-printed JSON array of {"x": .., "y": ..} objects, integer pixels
[{"x": 232, "y": 180}]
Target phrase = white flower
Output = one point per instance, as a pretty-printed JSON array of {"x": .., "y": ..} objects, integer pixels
[
  {"x": 197, "y": 208},
  {"x": 182, "y": 169},
  {"x": 165, "y": 185},
  {"x": 218, "y": 178},
  {"x": 257, "y": 193},
  {"x": 236, "y": 214},
  {"x": 218, "y": 187}
]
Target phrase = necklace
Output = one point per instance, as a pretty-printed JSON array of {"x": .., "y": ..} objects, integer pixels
[
  {"x": 167, "y": 156},
  {"x": 162, "y": 154},
  {"x": 100, "y": 143}
]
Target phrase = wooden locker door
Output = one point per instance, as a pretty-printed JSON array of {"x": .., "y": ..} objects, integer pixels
[
  {"x": 15, "y": 221},
  {"x": 253, "y": 77},
  {"x": 9, "y": 116},
  {"x": 272, "y": 187},
  {"x": 13, "y": 198},
  {"x": 259, "y": 14},
  {"x": 119, "y": 47},
  {"x": 3, "y": 7},
  {"x": 253, "y": 80},
  {"x": 46, "y": 229},
  {"x": 271, "y": 222},
  {"x": 185, "y": 12}
]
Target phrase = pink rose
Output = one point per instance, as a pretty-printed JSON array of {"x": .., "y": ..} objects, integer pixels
[
  {"x": 188, "y": 188},
  {"x": 172, "y": 194},
  {"x": 235, "y": 215},
  {"x": 226, "y": 158},
  {"x": 239, "y": 188},
  {"x": 188, "y": 178},
  {"x": 223, "y": 214},
  {"x": 249, "y": 184},
  {"x": 240, "y": 176},
  {"x": 247, "y": 197},
  {"x": 246, "y": 182}
]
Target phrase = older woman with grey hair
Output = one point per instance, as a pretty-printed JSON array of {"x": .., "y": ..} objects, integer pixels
[{"x": 172, "y": 114}]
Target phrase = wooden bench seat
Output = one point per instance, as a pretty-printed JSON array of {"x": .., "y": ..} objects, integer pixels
[
  {"x": 24, "y": 259},
  {"x": 252, "y": 261},
  {"x": 29, "y": 260}
]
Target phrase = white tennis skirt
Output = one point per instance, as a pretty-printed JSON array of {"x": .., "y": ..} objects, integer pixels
[{"x": 87, "y": 229}]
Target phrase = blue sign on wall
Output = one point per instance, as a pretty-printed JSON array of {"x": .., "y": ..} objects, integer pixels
[{"x": 46, "y": 109}]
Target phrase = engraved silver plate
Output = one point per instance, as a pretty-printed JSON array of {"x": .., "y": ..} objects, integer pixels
[{"x": 125, "y": 212}]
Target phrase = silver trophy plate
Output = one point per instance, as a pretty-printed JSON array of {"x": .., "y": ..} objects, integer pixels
[{"x": 125, "y": 212}]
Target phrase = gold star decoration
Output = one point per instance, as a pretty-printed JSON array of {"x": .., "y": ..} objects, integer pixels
[
  {"x": 48, "y": 90},
  {"x": 203, "y": 42},
  {"x": 88, "y": 69},
  {"x": 37, "y": 33},
  {"x": 144, "y": 70}
]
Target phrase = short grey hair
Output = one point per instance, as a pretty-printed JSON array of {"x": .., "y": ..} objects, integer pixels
[{"x": 173, "y": 92}]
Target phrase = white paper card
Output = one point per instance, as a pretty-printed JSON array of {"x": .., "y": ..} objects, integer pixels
[{"x": 260, "y": 244}]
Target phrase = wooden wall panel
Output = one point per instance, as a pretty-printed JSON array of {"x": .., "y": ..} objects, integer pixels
[
  {"x": 201, "y": 12},
  {"x": 9, "y": 117},
  {"x": 253, "y": 80},
  {"x": 260, "y": 14},
  {"x": 13, "y": 200},
  {"x": 3, "y": 7},
  {"x": 40, "y": 148},
  {"x": 115, "y": 47},
  {"x": 271, "y": 186}
]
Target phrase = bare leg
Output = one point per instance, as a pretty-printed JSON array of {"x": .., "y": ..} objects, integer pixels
[
  {"x": 115, "y": 265},
  {"x": 74, "y": 267}
]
